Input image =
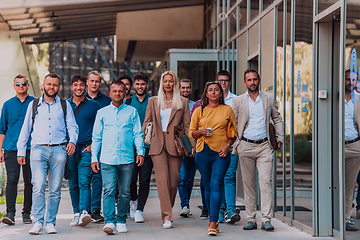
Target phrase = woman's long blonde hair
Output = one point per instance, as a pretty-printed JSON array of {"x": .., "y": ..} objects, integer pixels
[{"x": 176, "y": 101}]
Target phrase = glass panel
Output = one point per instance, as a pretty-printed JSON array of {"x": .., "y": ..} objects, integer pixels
[
  {"x": 303, "y": 62},
  {"x": 232, "y": 24},
  {"x": 199, "y": 72},
  {"x": 232, "y": 2},
  {"x": 254, "y": 39},
  {"x": 324, "y": 4},
  {"x": 243, "y": 14},
  {"x": 254, "y": 9},
  {"x": 353, "y": 63},
  {"x": 242, "y": 60},
  {"x": 267, "y": 3}
]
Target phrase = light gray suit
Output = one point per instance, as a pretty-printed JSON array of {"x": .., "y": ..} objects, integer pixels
[{"x": 254, "y": 155}]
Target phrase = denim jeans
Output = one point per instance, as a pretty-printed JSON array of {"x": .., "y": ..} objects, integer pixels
[
  {"x": 144, "y": 173},
  {"x": 202, "y": 192},
  {"x": 80, "y": 179},
  {"x": 96, "y": 190},
  {"x": 120, "y": 176},
  {"x": 45, "y": 161},
  {"x": 212, "y": 168},
  {"x": 12, "y": 176},
  {"x": 358, "y": 193},
  {"x": 229, "y": 191},
  {"x": 186, "y": 181}
]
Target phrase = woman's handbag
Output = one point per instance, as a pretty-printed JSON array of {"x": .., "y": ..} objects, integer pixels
[
  {"x": 148, "y": 133},
  {"x": 182, "y": 142}
]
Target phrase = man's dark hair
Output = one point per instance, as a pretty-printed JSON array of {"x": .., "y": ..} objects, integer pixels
[
  {"x": 185, "y": 80},
  {"x": 347, "y": 71},
  {"x": 78, "y": 77},
  {"x": 141, "y": 76},
  {"x": 125, "y": 76},
  {"x": 250, "y": 70},
  {"x": 205, "y": 100},
  {"x": 52, "y": 75},
  {"x": 20, "y": 76},
  {"x": 223, "y": 73},
  {"x": 118, "y": 82}
]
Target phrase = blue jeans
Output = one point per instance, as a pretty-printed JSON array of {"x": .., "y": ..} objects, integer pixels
[
  {"x": 358, "y": 193},
  {"x": 228, "y": 196},
  {"x": 96, "y": 190},
  {"x": 212, "y": 168},
  {"x": 46, "y": 160},
  {"x": 202, "y": 191},
  {"x": 80, "y": 179},
  {"x": 186, "y": 181},
  {"x": 120, "y": 176}
]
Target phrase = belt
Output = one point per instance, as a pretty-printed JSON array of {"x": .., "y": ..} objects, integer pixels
[
  {"x": 352, "y": 141},
  {"x": 258, "y": 141},
  {"x": 53, "y": 145}
]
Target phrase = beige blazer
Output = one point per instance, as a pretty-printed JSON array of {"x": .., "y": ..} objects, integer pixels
[
  {"x": 177, "y": 117},
  {"x": 241, "y": 110}
]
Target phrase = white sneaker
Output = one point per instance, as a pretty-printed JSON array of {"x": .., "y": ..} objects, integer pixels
[
  {"x": 185, "y": 212},
  {"x": 121, "y": 227},
  {"x": 133, "y": 207},
  {"x": 139, "y": 216},
  {"x": 109, "y": 228},
  {"x": 167, "y": 224},
  {"x": 84, "y": 219},
  {"x": 36, "y": 229},
  {"x": 75, "y": 220},
  {"x": 50, "y": 229}
]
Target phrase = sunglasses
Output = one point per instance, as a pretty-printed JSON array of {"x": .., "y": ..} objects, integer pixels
[
  {"x": 213, "y": 82},
  {"x": 223, "y": 80},
  {"x": 19, "y": 83}
]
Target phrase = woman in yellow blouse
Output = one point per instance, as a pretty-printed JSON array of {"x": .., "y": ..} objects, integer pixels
[{"x": 213, "y": 125}]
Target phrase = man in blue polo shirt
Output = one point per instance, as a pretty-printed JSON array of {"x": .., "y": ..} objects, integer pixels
[
  {"x": 12, "y": 117},
  {"x": 94, "y": 83},
  {"x": 80, "y": 163},
  {"x": 138, "y": 200}
]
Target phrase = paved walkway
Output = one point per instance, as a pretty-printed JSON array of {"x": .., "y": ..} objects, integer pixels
[{"x": 190, "y": 228}]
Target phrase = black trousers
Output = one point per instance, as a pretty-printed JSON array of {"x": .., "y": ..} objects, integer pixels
[
  {"x": 13, "y": 173},
  {"x": 144, "y": 173}
]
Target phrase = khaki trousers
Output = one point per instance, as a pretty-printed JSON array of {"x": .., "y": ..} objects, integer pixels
[
  {"x": 167, "y": 170},
  {"x": 258, "y": 156},
  {"x": 352, "y": 166}
]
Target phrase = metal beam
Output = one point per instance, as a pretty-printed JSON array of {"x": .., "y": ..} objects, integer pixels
[{"x": 103, "y": 58}]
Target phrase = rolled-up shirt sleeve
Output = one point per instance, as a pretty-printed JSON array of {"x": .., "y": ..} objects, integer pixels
[
  {"x": 72, "y": 127},
  {"x": 138, "y": 134},
  {"x": 25, "y": 132}
]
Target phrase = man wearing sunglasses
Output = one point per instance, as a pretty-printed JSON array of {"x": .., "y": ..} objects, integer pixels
[
  {"x": 228, "y": 198},
  {"x": 12, "y": 117}
]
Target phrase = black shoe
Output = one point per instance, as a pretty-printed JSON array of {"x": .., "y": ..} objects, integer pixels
[
  {"x": 96, "y": 216},
  {"x": 350, "y": 227},
  {"x": 267, "y": 226},
  {"x": 26, "y": 218},
  {"x": 9, "y": 218},
  {"x": 233, "y": 218},
  {"x": 250, "y": 225},
  {"x": 204, "y": 214}
]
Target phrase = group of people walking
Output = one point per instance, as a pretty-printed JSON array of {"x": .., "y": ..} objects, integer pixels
[{"x": 100, "y": 139}]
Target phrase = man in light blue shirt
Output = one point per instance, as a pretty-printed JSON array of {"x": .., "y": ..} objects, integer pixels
[
  {"x": 48, "y": 128},
  {"x": 228, "y": 201},
  {"x": 117, "y": 129}
]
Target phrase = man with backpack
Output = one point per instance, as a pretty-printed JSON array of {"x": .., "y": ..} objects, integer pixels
[
  {"x": 50, "y": 122},
  {"x": 80, "y": 162}
]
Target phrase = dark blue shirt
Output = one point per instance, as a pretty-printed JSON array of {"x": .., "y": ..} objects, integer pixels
[
  {"x": 12, "y": 118},
  {"x": 101, "y": 98},
  {"x": 85, "y": 119},
  {"x": 141, "y": 108}
]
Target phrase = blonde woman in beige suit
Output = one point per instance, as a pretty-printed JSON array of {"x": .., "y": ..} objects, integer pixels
[{"x": 166, "y": 111}]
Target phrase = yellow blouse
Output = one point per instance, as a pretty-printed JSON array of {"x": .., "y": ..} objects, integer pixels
[{"x": 222, "y": 121}]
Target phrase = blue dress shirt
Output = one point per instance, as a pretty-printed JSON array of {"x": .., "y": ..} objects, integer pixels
[
  {"x": 11, "y": 121},
  {"x": 350, "y": 130},
  {"x": 49, "y": 125},
  {"x": 116, "y": 131},
  {"x": 101, "y": 98},
  {"x": 256, "y": 125},
  {"x": 229, "y": 98},
  {"x": 85, "y": 119},
  {"x": 191, "y": 104}
]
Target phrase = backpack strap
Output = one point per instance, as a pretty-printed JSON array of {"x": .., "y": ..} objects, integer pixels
[
  {"x": 34, "y": 110},
  {"x": 81, "y": 105}
]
